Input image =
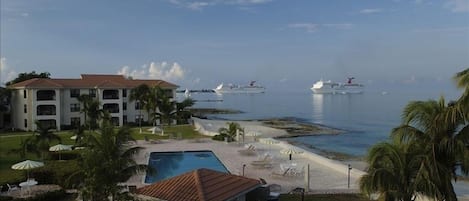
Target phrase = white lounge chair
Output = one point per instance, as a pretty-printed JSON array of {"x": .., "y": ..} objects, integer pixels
[{"x": 12, "y": 187}]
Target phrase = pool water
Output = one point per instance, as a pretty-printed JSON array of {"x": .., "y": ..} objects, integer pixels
[{"x": 170, "y": 164}]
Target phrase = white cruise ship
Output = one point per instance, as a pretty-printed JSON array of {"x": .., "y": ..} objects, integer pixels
[
  {"x": 329, "y": 87},
  {"x": 232, "y": 88}
]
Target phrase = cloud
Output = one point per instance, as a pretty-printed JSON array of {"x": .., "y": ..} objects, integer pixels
[
  {"x": 370, "y": 11},
  {"x": 199, "y": 5},
  {"x": 6, "y": 73},
  {"x": 162, "y": 71},
  {"x": 311, "y": 27},
  {"x": 457, "y": 6}
]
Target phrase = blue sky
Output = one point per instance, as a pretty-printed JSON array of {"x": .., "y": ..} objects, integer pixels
[{"x": 199, "y": 43}]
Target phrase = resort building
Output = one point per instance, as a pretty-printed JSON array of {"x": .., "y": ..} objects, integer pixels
[{"x": 54, "y": 102}]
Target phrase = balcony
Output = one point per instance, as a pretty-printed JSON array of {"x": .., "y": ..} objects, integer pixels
[
  {"x": 45, "y": 95},
  {"x": 111, "y": 107},
  {"x": 46, "y": 110},
  {"x": 110, "y": 94}
]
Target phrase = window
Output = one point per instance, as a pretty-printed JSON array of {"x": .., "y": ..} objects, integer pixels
[
  {"x": 124, "y": 119},
  {"x": 111, "y": 107},
  {"x": 74, "y": 93},
  {"x": 138, "y": 106},
  {"x": 75, "y": 107},
  {"x": 25, "y": 123},
  {"x": 92, "y": 93},
  {"x": 138, "y": 118},
  {"x": 124, "y": 106},
  {"x": 24, "y": 93},
  {"x": 124, "y": 92},
  {"x": 75, "y": 121},
  {"x": 25, "y": 108},
  {"x": 115, "y": 121}
]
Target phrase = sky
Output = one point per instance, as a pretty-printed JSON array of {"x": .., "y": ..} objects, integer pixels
[{"x": 198, "y": 44}]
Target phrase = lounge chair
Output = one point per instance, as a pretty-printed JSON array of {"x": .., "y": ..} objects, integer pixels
[
  {"x": 12, "y": 187},
  {"x": 281, "y": 174},
  {"x": 251, "y": 150},
  {"x": 152, "y": 141},
  {"x": 267, "y": 162}
]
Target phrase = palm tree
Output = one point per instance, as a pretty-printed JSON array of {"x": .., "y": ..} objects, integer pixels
[
  {"x": 230, "y": 132},
  {"x": 107, "y": 162},
  {"x": 140, "y": 94},
  {"x": 181, "y": 113},
  {"x": 442, "y": 140},
  {"x": 153, "y": 101},
  {"x": 91, "y": 109},
  {"x": 396, "y": 172},
  {"x": 42, "y": 138},
  {"x": 166, "y": 109}
]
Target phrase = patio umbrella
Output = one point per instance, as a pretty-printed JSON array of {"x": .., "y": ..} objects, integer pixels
[
  {"x": 27, "y": 165},
  {"x": 59, "y": 148},
  {"x": 290, "y": 151},
  {"x": 268, "y": 141},
  {"x": 73, "y": 137}
]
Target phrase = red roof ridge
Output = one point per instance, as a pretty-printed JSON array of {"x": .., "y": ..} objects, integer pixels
[{"x": 199, "y": 185}]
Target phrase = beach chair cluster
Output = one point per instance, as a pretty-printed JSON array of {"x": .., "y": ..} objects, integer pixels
[
  {"x": 249, "y": 151},
  {"x": 266, "y": 162}
]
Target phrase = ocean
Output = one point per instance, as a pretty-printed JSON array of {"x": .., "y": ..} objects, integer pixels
[{"x": 367, "y": 118}]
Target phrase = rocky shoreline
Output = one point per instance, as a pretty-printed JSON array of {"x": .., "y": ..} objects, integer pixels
[{"x": 293, "y": 127}]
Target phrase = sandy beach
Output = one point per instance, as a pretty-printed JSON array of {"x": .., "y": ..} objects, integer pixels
[{"x": 325, "y": 175}]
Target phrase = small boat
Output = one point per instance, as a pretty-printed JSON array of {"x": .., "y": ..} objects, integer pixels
[
  {"x": 231, "y": 88},
  {"x": 187, "y": 93},
  {"x": 329, "y": 87}
]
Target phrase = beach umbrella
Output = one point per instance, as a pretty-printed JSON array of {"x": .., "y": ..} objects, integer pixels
[
  {"x": 27, "y": 165},
  {"x": 269, "y": 141},
  {"x": 290, "y": 151},
  {"x": 73, "y": 137},
  {"x": 60, "y": 147}
]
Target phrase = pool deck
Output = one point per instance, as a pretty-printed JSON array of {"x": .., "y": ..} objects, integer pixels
[{"x": 325, "y": 175}]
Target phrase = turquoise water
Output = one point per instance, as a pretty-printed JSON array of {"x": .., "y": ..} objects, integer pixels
[
  {"x": 170, "y": 164},
  {"x": 368, "y": 118}
]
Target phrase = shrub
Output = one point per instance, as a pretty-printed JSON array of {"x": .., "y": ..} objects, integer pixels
[
  {"x": 65, "y": 155},
  {"x": 56, "y": 172},
  {"x": 221, "y": 137}
]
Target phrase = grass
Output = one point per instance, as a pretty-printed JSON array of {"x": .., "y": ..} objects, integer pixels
[
  {"x": 186, "y": 131},
  {"x": 12, "y": 140},
  {"x": 324, "y": 197}
]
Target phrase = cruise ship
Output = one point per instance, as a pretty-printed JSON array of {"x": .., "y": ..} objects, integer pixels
[
  {"x": 232, "y": 88},
  {"x": 329, "y": 87}
]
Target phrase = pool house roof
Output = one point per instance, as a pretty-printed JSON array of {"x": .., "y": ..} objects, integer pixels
[{"x": 200, "y": 185}]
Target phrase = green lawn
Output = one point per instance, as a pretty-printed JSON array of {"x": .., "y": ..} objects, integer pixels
[{"x": 12, "y": 140}]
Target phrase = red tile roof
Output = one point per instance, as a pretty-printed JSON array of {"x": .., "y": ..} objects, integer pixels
[
  {"x": 200, "y": 185},
  {"x": 91, "y": 81}
]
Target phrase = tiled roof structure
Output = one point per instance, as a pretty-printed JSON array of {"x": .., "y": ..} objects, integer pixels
[
  {"x": 91, "y": 81},
  {"x": 200, "y": 185}
]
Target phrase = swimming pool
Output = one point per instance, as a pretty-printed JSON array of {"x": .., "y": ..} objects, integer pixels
[{"x": 170, "y": 164}]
